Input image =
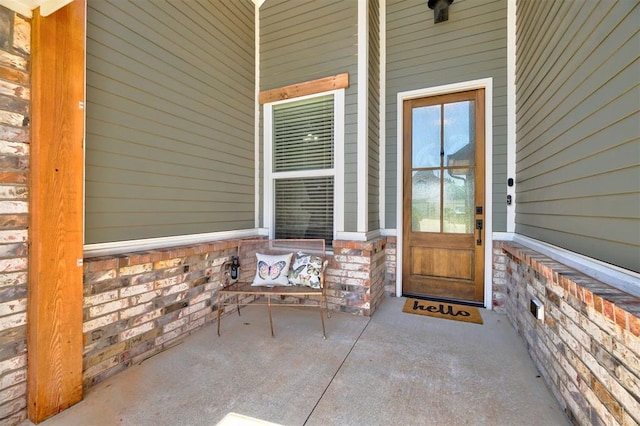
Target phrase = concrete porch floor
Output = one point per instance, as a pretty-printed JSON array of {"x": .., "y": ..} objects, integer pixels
[{"x": 391, "y": 369}]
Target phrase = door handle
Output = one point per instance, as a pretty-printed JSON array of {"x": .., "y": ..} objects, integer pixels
[{"x": 479, "y": 228}]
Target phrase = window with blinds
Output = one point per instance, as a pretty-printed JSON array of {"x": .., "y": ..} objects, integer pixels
[
  {"x": 303, "y": 135},
  {"x": 303, "y": 168}
]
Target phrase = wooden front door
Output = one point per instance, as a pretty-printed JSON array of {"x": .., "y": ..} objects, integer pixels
[{"x": 443, "y": 202}]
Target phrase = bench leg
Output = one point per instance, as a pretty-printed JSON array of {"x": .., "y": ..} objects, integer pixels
[
  {"x": 238, "y": 303},
  {"x": 270, "y": 319},
  {"x": 324, "y": 333},
  {"x": 219, "y": 309},
  {"x": 326, "y": 306}
]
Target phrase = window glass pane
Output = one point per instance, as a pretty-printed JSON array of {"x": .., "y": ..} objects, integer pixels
[
  {"x": 459, "y": 133},
  {"x": 425, "y": 135},
  {"x": 425, "y": 211},
  {"x": 459, "y": 187},
  {"x": 304, "y": 208},
  {"x": 303, "y": 135}
]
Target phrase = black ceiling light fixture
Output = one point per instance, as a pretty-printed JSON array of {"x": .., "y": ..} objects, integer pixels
[{"x": 440, "y": 9}]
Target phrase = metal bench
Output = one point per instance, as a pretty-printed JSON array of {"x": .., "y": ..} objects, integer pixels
[{"x": 242, "y": 292}]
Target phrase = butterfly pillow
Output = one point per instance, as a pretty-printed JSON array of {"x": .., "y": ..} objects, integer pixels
[
  {"x": 272, "y": 269},
  {"x": 306, "y": 270}
]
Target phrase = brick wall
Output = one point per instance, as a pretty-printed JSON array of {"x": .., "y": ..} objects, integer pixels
[
  {"x": 140, "y": 304},
  {"x": 14, "y": 167},
  {"x": 356, "y": 276},
  {"x": 587, "y": 347}
]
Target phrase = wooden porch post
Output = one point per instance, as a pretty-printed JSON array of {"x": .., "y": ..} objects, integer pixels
[{"x": 54, "y": 375}]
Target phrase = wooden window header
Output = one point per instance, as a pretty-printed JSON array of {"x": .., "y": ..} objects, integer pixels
[{"x": 340, "y": 81}]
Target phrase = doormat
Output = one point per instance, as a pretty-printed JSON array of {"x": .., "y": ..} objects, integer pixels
[{"x": 443, "y": 310}]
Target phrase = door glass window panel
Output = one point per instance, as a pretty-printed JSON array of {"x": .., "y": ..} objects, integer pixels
[
  {"x": 459, "y": 133},
  {"x": 458, "y": 201},
  {"x": 426, "y": 136},
  {"x": 443, "y": 160},
  {"x": 425, "y": 208}
]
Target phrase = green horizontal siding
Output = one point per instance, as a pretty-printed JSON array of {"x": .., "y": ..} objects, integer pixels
[
  {"x": 170, "y": 107},
  {"x": 306, "y": 40},
  {"x": 578, "y": 145}
]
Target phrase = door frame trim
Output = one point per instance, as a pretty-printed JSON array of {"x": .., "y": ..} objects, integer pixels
[{"x": 487, "y": 85}]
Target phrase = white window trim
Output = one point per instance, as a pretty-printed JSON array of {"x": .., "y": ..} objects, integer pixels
[
  {"x": 362, "y": 195},
  {"x": 487, "y": 85},
  {"x": 338, "y": 164},
  {"x": 120, "y": 247},
  {"x": 382, "y": 131}
]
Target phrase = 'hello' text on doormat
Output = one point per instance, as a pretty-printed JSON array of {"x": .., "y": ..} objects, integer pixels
[{"x": 443, "y": 310}]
